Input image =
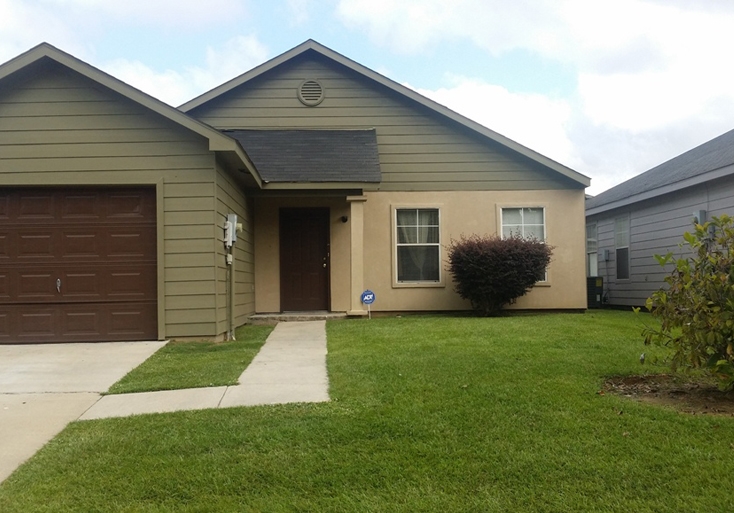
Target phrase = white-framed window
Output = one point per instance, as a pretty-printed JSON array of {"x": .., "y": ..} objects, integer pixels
[
  {"x": 592, "y": 248},
  {"x": 417, "y": 245},
  {"x": 622, "y": 246},
  {"x": 528, "y": 222}
]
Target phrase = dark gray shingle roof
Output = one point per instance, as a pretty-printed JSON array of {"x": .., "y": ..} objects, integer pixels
[
  {"x": 711, "y": 155},
  {"x": 310, "y": 156}
]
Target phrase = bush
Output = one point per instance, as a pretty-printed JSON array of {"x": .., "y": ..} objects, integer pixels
[
  {"x": 492, "y": 272},
  {"x": 696, "y": 312}
]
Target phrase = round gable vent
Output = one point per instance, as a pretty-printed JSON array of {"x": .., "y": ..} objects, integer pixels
[{"x": 310, "y": 92}]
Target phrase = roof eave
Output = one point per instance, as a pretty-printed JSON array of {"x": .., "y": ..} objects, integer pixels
[{"x": 660, "y": 191}]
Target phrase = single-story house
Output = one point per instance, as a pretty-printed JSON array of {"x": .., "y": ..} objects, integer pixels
[
  {"x": 293, "y": 187},
  {"x": 648, "y": 214}
]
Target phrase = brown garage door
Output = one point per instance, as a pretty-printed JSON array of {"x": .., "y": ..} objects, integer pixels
[{"x": 77, "y": 265}]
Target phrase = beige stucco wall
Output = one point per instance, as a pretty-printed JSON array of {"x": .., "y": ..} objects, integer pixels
[
  {"x": 461, "y": 213},
  {"x": 267, "y": 250},
  {"x": 469, "y": 213}
]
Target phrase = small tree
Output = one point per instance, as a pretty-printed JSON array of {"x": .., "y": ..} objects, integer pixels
[
  {"x": 492, "y": 272},
  {"x": 696, "y": 311}
]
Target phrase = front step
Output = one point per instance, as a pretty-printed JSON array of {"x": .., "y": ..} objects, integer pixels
[{"x": 273, "y": 318}]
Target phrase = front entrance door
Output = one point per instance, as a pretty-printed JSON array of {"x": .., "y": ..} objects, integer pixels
[{"x": 304, "y": 259}]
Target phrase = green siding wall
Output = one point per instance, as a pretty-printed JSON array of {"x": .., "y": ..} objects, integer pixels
[
  {"x": 419, "y": 149},
  {"x": 59, "y": 128},
  {"x": 230, "y": 200}
]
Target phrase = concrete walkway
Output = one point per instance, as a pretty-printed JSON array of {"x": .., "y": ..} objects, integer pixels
[
  {"x": 44, "y": 387},
  {"x": 290, "y": 368}
]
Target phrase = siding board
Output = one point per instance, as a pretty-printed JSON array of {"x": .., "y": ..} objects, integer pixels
[
  {"x": 59, "y": 128},
  {"x": 413, "y": 141}
]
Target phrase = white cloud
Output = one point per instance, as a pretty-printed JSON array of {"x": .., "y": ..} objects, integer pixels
[
  {"x": 532, "y": 120},
  {"x": 237, "y": 56},
  {"x": 653, "y": 76},
  {"x": 167, "y": 13}
]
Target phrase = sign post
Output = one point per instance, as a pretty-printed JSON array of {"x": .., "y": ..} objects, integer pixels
[{"x": 368, "y": 297}]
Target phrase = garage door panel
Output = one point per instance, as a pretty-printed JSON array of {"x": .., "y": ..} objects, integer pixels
[
  {"x": 131, "y": 284},
  {"x": 4, "y": 206},
  {"x": 36, "y": 245},
  {"x": 4, "y": 286},
  {"x": 128, "y": 204},
  {"x": 80, "y": 244},
  {"x": 101, "y": 246},
  {"x": 82, "y": 285},
  {"x": 37, "y": 324},
  {"x": 35, "y": 286},
  {"x": 80, "y": 205},
  {"x": 131, "y": 243}
]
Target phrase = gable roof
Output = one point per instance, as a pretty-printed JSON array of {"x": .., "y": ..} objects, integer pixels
[
  {"x": 313, "y": 46},
  {"x": 312, "y": 156},
  {"x": 45, "y": 53},
  {"x": 711, "y": 160}
]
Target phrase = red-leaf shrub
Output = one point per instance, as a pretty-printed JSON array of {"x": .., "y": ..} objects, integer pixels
[{"x": 492, "y": 272}]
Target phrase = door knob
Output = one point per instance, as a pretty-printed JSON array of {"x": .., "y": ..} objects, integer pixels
[
  {"x": 324, "y": 266},
  {"x": 58, "y": 285}
]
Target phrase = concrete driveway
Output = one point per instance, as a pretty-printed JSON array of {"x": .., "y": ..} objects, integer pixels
[{"x": 44, "y": 387}]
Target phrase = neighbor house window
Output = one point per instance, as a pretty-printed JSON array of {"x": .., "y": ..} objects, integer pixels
[
  {"x": 417, "y": 244},
  {"x": 592, "y": 260},
  {"x": 525, "y": 222},
  {"x": 622, "y": 246}
]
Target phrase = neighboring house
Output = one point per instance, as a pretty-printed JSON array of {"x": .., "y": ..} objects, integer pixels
[
  {"x": 114, "y": 205},
  {"x": 648, "y": 215}
]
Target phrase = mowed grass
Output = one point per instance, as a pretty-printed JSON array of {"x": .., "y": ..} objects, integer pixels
[
  {"x": 427, "y": 414},
  {"x": 195, "y": 364}
]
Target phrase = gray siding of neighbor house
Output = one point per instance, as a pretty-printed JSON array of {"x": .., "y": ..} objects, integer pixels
[
  {"x": 60, "y": 128},
  {"x": 656, "y": 227},
  {"x": 418, "y": 151}
]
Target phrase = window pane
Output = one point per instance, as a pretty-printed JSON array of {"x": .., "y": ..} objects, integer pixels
[
  {"x": 621, "y": 232},
  {"x": 407, "y": 234},
  {"x": 623, "y": 263},
  {"x": 533, "y": 215},
  {"x": 511, "y": 216},
  {"x": 592, "y": 264},
  {"x": 407, "y": 217},
  {"x": 418, "y": 263},
  {"x": 428, "y": 235},
  {"x": 508, "y": 231},
  {"x": 534, "y": 231},
  {"x": 428, "y": 217}
]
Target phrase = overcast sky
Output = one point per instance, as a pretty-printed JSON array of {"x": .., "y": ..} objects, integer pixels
[{"x": 609, "y": 88}]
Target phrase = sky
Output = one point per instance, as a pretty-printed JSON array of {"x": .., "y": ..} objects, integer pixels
[{"x": 609, "y": 88}]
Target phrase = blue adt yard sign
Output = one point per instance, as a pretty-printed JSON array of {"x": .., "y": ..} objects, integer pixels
[{"x": 368, "y": 297}]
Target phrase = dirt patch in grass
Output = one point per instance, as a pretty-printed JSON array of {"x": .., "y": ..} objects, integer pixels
[{"x": 696, "y": 397}]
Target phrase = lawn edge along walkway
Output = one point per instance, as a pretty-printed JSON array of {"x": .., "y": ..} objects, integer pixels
[{"x": 289, "y": 368}]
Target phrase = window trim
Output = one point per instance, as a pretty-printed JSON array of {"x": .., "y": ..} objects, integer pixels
[
  {"x": 500, "y": 231},
  {"x": 394, "y": 245}
]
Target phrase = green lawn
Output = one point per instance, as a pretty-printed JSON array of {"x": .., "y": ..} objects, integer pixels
[
  {"x": 428, "y": 414},
  {"x": 195, "y": 364}
]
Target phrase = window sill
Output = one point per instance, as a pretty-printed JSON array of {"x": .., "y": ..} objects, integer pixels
[
  {"x": 542, "y": 284},
  {"x": 418, "y": 285}
]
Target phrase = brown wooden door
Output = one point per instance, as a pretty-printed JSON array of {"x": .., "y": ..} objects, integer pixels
[
  {"x": 77, "y": 265},
  {"x": 304, "y": 259}
]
